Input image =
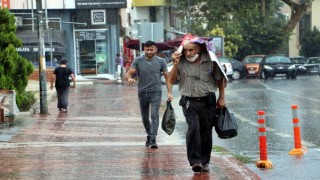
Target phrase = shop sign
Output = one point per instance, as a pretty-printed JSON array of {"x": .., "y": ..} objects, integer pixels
[
  {"x": 98, "y": 16},
  {"x": 91, "y": 35},
  {"x": 91, "y": 4},
  {"x": 33, "y": 49}
]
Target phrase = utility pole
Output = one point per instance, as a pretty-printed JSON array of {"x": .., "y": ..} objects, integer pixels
[
  {"x": 189, "y": 17},
  {"x": 42, "y": 63}
]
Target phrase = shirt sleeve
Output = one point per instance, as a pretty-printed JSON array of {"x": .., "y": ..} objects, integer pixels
[
  {"x": 216, "y": 71},
  {"x": 134, "y": 64}
]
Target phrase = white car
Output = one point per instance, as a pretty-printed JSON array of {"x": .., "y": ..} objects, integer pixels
[{"x": 226, "y": 63}]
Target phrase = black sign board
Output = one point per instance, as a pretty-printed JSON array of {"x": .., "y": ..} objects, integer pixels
[
  {"x": 98, "y": 16},
  {"x": 101, "y": 4}
]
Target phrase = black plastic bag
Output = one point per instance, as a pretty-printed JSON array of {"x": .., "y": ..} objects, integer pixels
[
  {"x": 226, "y": 124},
  {"x": 168, "y": 119}
]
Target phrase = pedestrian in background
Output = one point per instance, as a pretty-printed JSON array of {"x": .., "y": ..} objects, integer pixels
[
  {"x": 61, "y": 76},
  {"x": 119, "y": 64},
  {"x": 149, "y": 68},
  {"x": 199, "y": 78}
]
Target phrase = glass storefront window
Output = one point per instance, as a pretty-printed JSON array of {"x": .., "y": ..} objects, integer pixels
[{"x": 92, "y": 52}]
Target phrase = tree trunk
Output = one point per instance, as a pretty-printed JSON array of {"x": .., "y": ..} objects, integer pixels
[{"x": 297, "y": 11}]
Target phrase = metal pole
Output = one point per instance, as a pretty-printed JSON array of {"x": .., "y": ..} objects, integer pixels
[
  {"x": 42, "y": 65},
  {"x": 32, "y": 16},
  {"x": 45, "y": 4},
  {"x": 189, "y": 17},
  {"x": 51, "y": 48}
]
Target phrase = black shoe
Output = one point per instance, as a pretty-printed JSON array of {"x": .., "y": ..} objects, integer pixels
[
  {"x": 205, "y": 168},
  {"x": 148, "y": 141},
  {"x": 197, "y": 167},
  {"x": 153, "y": 144}
]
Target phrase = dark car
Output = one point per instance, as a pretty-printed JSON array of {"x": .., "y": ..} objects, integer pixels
[
  {"x": 278, "y": 66},
  {"x": 311, "y": 66},
  {"x": 239, "y": 69},
  {"x": 298, "y": 61}
]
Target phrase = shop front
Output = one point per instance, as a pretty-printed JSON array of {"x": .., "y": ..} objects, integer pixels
[
  {"x": 97, "y": 43},
  {"x": 92, "y": 52}
]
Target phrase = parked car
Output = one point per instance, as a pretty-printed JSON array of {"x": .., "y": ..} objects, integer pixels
[
  {"x": 278, "y": 66},
  {"x": 226, "y": 62},
  {"x": 298, "y": 62},
  {"x": 253, "y": 65},
  {"x": 239, "y": 69},
  {"x": 312, "y": 66}
]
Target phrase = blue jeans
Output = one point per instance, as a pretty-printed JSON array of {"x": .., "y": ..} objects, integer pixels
[
  {"x": 62, "y": 94},
  {"x": 153, "y": 100}
]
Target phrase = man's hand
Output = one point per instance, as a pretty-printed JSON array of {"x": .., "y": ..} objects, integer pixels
[
  {"x": 221, "y": 102},
  {"x": 131, "y": 80},
  {"x": 170, "y": 97},
  {"x": 176, "y": 57}
]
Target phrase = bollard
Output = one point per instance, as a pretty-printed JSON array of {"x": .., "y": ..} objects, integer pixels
[
  {"x": 263, "y": 162},
  {"x": 298, "y": 148}
]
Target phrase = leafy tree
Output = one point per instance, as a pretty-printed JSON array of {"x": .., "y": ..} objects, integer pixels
[
  {"x": 230, "y": 49},
  {"x": 310, "y": 43},
  {"x": 14, "y": 69},
  {"x": 298, "y": 9},
  {"x": 252, "y": 26}
]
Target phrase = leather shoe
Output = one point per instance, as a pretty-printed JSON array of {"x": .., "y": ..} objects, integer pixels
[
  {"x": 197, "y": 167},
  {"x": 148, "y": 141},
  {"x": 205, "y": 168},
  {"x": 153, "y": 143}
]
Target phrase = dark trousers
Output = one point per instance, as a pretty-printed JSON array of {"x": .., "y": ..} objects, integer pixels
[
  {"x": 62, "y": 95},
  {"x": 200, "y": 120},
  {"x": 153, "y": 100}
]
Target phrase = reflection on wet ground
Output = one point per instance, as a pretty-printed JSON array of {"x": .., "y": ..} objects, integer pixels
[{"x": 275, "y": 97}]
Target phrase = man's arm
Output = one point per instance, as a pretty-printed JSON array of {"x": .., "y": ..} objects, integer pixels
[
  {"x": 221, "y": 86},
  {"x": 73, "y": 80},
  {"x": 129, "y": 74},
  {"x": 172, "y": 78},
  {"x": 53, "y": 79}
]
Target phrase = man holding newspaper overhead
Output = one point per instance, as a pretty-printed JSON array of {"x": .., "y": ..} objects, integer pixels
[{"x": 200, "y": 75}]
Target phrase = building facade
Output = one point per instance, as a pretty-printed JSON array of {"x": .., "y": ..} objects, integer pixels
[
  {"x": 86, "y": 32},
  {"x": 307, "y": 22}
]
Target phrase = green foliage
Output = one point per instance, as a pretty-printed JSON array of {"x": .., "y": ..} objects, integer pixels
[
  {"x": 25, "y": 100},
  {"x": 230, "y": 48},
  {"x": 14, "y": 69},
  {"x": 249, "y": 26},
  {"x": 310, "y": 43}
]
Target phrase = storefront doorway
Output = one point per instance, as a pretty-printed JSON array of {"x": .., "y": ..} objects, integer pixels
[{"x": 92, "y": 54}]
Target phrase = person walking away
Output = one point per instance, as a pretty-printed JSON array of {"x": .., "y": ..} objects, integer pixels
[
  {"x": 199, "y": 78},
  {"x": 149, "y": 68},
  {"x": 119, "y": 65},
  {"x": 61, "y": 76}
]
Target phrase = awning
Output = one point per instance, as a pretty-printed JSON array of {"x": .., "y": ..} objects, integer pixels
[{"x": 135, "y": 44}]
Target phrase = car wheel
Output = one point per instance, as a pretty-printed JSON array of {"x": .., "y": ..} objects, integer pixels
[
  {"x": 236, "y": 75},
  {"x": 294, "y": 76}
]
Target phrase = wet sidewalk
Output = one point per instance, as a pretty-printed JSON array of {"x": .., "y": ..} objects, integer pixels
[{"x": 102, "y": 137}]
